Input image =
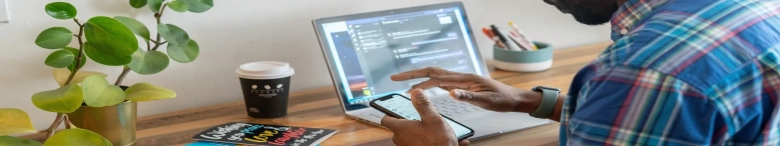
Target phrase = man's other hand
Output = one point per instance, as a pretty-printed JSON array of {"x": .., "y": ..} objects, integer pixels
[
  {"x": 431, "y": 130},
  {"x": 486, "y": 93}
]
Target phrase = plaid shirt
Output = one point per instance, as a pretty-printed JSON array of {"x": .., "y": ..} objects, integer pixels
[{"x": 681, "y": 72}]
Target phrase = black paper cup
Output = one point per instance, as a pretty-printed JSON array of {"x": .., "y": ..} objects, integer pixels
[{"x": 266, "y": 88}]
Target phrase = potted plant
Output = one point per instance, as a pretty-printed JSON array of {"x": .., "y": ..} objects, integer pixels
[{"x": 96, "y": 112}]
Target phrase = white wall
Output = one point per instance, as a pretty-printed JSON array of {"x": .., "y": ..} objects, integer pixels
[{"x": 238, "y": 31}]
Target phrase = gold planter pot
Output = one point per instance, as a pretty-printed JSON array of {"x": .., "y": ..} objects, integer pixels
[{"x": 115, "y": 123}]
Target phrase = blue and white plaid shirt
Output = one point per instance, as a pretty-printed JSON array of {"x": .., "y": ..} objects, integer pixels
[{"x": 681, "y": 72}]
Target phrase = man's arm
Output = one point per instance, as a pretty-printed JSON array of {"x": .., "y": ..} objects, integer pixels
[{"x": 635, "y": 106}]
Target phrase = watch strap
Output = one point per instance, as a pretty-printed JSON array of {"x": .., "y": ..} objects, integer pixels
[{"x": 547, "y": 106}]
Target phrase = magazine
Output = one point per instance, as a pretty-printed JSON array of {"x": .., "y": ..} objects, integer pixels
[{"x": 250, "y": 134}]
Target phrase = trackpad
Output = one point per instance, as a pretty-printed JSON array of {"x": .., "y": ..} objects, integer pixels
[
  {"x": 514, "y": 121},
  {"x": 500, "y": 123}
]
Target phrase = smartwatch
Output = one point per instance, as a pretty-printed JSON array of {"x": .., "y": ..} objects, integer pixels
[{"x": 547, "y": 106}]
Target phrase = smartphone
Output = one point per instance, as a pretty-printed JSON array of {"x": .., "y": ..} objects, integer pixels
[{"x": 399, "y": 106}]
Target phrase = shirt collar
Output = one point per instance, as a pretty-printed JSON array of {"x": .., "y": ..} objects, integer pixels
[{"x": 631, "y": 12}]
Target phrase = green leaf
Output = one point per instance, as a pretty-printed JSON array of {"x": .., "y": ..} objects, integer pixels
[
  {"x": 54, "y": 38},
  {"x": 103, "y": 58},
  {"x": 65, "y": 99},
  {"x": 98, "y": 93},
  {"x": 173, "y": 34},
  {"x": 76, "y": 53},
  {"x": 184, "y": 54},
  {"x": 177, "y": 6},
  {"x": 147, "y": 92},
  {"x": 14, "y": 121},
  {"x": 110, "y": 36},
  {"x": 15, "y": 141},
  {"x": 149, "y": 62},
  {"x": 60, "y": 59},
  {"x": 76, "y": 137},
  {"x": 61, "y": 10},
  {"x": 136, "y": 26},
  {"x": 61, "y": 75},
  {"x": 137, "y": 3},
  {"x": 198, "y": 6},
  {"x": 155, "y": 5}
]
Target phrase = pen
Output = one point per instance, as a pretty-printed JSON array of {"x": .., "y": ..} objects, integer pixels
[
  {"x": 517, "y": 38},
  {"x": 500, "y": 36},
  {"x": 518, "y": 43},
  {"x": 489, "y": 33},
  {"x": 513, "y": 44},
  {"x": 524, "y": 41},
  {"x": 520, "y": 34}
]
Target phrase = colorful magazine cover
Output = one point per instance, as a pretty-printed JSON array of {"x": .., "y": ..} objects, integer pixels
[{"x": 250, "y": 134}]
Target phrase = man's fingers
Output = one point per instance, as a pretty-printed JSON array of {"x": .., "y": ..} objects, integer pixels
[
  {"x": 414, "y": 74},
  {"x": 391, "y": 122},
  {"x": 420, "y": 73},
  {"x": 424, "y": 107},
  {"x": 446, "y": 81},
  {"x": 463, "y": 143},
  {"x": 478, "y": 98}
]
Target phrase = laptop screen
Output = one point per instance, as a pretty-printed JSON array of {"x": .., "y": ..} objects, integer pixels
[{"x": 363, "y": 52}]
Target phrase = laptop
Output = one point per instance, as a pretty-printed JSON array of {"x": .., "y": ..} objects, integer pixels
[{"x": 363, "y": 50}]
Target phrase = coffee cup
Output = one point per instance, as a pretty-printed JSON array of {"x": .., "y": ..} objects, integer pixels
[{"x": 266, "y": 88}]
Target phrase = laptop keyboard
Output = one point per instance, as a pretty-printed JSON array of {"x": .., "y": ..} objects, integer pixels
[{"x": 452, "y": 108}]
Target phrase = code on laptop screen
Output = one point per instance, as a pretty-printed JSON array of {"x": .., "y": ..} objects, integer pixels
[{"x": 368, "y": 51}]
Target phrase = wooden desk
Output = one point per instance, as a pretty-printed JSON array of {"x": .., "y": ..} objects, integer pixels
[{"x": 320, "y": 108}]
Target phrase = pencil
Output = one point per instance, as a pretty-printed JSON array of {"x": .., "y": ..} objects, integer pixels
[{"x": 522, "y": 36}]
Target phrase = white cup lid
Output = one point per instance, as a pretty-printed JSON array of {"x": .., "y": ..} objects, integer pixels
[{"x": 265, "y": 70}]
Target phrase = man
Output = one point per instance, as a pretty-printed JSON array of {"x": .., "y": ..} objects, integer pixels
[{"x": 681, "y": 72}]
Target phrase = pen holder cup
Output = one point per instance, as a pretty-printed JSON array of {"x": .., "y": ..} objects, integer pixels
[{"x": 524, "y": 60}]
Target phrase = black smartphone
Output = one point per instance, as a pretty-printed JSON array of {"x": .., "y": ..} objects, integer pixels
[{"x": 399, "y": 106}]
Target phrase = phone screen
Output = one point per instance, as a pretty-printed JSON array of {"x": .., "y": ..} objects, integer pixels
[{"x": 403, "y": 106}]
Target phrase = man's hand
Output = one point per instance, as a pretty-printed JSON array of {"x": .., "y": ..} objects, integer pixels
[
  {"x": 431, "y": 130},
  {"x": 486, "y": 93}
]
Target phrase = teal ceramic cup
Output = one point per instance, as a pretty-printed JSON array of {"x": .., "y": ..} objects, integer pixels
[{"x": 524, "y": 61}]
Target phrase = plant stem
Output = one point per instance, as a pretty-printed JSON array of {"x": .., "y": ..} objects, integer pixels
[
  {"x": 162, "y": 9},
  {"x": 157, "y": 16},
  {"x": 77, "y": 66},
  {"x": 122, "y": 76},
  {"x": 156, "y": 42},
  {"x": 53, "y": 127},
  {"x": 158, "y": 46},
  {"x": 68, "y": 124}
]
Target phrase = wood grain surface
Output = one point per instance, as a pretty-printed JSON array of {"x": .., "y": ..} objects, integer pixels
[{"x": 320, "y": 108}]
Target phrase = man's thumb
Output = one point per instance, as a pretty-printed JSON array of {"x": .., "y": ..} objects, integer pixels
[{"x": 424, "y": 106}]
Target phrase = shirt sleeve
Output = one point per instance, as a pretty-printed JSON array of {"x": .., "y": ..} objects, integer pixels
[{"x": 633, "y": 106}]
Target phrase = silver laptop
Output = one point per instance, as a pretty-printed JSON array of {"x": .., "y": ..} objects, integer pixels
[{"x": 363, "y": 50}]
